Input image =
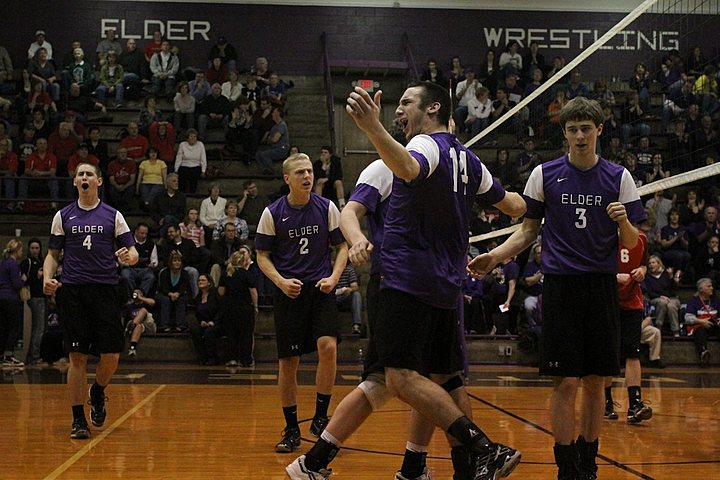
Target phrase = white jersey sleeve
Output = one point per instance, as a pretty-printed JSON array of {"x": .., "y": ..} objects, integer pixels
[
  {"x": 535, "y": 185},
  {"x": 57, "y": 225},
  {"x": 121, "y": 225},
  {"x": 378, "y": 176},
  {"x": 628, "y": 190},
  {"x": 266, "y": 225},
  {"x": 486, "y": 180},
  {"x": 428, "y": 148}
]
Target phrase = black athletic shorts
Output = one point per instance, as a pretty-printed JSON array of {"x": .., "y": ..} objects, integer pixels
[
  {"x": 90, "y": 317},
  {"x": 372, "y": 293},
  {"x": 301, "y": 321},
  {"x": 414, "y": 335},
  {"x": 581, "y": 326},
  {"x": 630, "y": 333}
]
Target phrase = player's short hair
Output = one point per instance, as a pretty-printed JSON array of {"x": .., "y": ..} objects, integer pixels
[
  {"x": 432, "y": 93},
  {"x": 291, "y": 160},
  {"x": 579, "y": 109},
  {"x": 96, "y": 168}
]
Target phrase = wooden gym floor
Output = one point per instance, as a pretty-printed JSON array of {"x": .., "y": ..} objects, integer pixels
[{"x": 183, "y": 422}]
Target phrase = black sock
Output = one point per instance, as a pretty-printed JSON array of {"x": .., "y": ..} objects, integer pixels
[
  {"x": 634, "y": 396},
  {"x": 469, "y": 434},
  {"x": 322, "y": 402},
  {"x": 97, "y": 390},
  {"x": 78, "y": 412},
  {"x": 567, "y": 460},
  {"x": 320, "y": 455},
  {"x": 290, "y": 414},
  {"x": 133, "y": 344},
  {"x": 608, "y": 395},
  {"x": 412, "y": 465},
  {"x": 460, "y": 462}
]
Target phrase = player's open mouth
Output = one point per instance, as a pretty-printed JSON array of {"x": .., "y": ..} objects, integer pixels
[{"x": 84, "y": 186}]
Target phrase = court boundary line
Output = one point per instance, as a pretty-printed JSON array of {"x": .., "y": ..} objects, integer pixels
[
  {"x": 609, "y": 460},
  {"x": 95, "y": 441}
]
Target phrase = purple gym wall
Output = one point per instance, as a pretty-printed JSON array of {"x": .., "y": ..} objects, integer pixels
[{"x": 290, "y": 36}]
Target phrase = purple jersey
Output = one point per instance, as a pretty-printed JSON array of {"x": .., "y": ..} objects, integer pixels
[
  {"x": 88, "y": 238},
  {"x": 299, "y": 239},
  {"x": 372, "y": 190},
  {"x": 424, "y": 251},
  {"x": 579, "y": 236}
]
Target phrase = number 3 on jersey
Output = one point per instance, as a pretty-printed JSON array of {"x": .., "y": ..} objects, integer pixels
[
  {"x": 582, "y": 219},
  {"x": 459, "y": 168},
  {"x": 87, "y": 243}
]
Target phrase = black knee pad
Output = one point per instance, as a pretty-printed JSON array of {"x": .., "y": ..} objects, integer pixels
[{"x": 453, "y": 384}]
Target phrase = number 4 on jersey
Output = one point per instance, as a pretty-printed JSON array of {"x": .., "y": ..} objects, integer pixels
[{"x": 87, "y": 243}]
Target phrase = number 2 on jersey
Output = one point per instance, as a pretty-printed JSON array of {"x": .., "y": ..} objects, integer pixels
[
  {"x": 87, "y": 243},
  {"x": 304, "y": 246},
  {"x": 459, "y": 167}
]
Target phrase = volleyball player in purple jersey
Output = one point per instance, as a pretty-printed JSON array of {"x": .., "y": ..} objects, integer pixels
[
  {"x": 423, "y": 257},
  {"x": 88, "y": 298},
  {"x": 292, "y": 241},
  {"x": 588, "y": 204}
]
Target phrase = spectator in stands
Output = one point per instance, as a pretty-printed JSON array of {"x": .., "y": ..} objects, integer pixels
[
  {"x": 199, "y": 88},
  {"x": 25, "y": 145},
  {"x": 135, "y": 143},
  {"x": 81, "y": 155},
  {"x": 32, "y": 267},
  {"x": 78, "y": 104},
  {"x": 252, "y": 204},
  {"x": 537, "y": 108},
  {"x": 278, "y": 141},
  {"x": 633, "y": 119},
  {"x": 474, "y": 315},
  {"x": 276, "y": 90},
  {"x": 576, "y": 87},
  {"x": 611, "y": 129},
  {"x": 691, "y": 211},
  {"x": 42, "y": 70},
  {"x": 557, "y": 65},
  {"x": 175, "y": 243},
  {"x": 707, "y": 260},
  {"x": 677, "y": 102},
  {"x": 661, "y": 207},
  {"x": 226, "y": 52},
  {"x": 39, "y": 43},
  {"x": 148, "y": 114},
  {"x": 7, "y": 84},
  {"x": 164, "y": 65},
  {"x": 217, "y": 72},
  {"x": 328, "y": 174},
  {"x": 107, "y": 45},
  {"x": 62, "y": 144},
  {"x": 170, "y": 206},
  {"x": 464, "y": 92},
  {"x": 630, "y": 162},
  {"x": 348, "y": 297},
  {"x": 675, "y": 241},
  {"x": 554, "y": 130},
  {"x": 238, "y": 307},
  {"x": 652, "y": 337},
  {"x": 184, "y": 107},
  {"x": 231, "y": 216},
  {"x": 67, "y": 59},
  {"x": 640, "y": 82},
  {"x": 8, "y": 170},
  {"x": 214, "y": 112},
  {"x": 510, "y": 60},
  {"x": 173, "y": 293},
  {"x": 261, "y": 72},
  {"x": 656, "y": 172},
  {"x": 222, "y": 249},
  {"x": 80, "y": 73},
  {"x": 526, "y": 161},
  {"x": 205, "y": 330},
  {"x": 138, "y": 319},
  {"x": 692, "y": 119},
  {"x": 232, "y": 88},
  {"x": 111, "y": 78},
  {"x": 489, "y": 71},
  {"x": 708, "y": 227},
  {"x": 240, "y": 131},
  {"x": 190, "y": 162},
  {"x": 134, "y": 64},
  {"x": 533, "y": 60},
  {"x": 39, "y": 98},
  {"x": 154, "y": 46},
  {"x": 151, "y": 179},
  {"x": 659, "y": 286},
  {"x": 533, "y": 283},
  {"x": 212, "y": 209},
  {"x": 602, "y": 94},
  {"x": 142, "y": 274},
  {"x": 695, "y": 63},
  {"x": 252, "y": 92},
  {"x": 701, "y": 318},
  {"x": 11, "y": 281},
  {"x": 121, "y": 175},
  {"x": 162, "y": 137},
  {"x": 433, "y": 74},
  {"x": 501, "y": 105},
  {"x": 262, "y": 120},
  {"x": 503, "y": 168},
  {"x": 672, "y": 72},
  {"x": 192, "y": 229},
  {"x": 679, "y": 147},
  {"x": 4, "y": 128},
  {"x": 501, "y": 285},
  {"x": 479, "y": 110},
  {"x": 98, "y": 147},
  {"x": 706, "y": 89},
  {"x": 704, "y": 141}
]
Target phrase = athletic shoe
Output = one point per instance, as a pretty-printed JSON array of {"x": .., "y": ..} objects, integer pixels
[
  {"x": 132, "y": 352},
  {"x": 231, "y": 363},
  {"x": 639, "y": 412},
  {"x": 497, "y": 462},
  {"x": 97, "y": 409},
  {"x": 425, "y": 476},
  {"x": 705, "y": 358},
  {"x": 318, "y": 425},
  {"x": 290, "y": 441},
  {"x": 80, "y": 430},
  {"x": 297, "y": 471},
  {"x": 656, "y": 364},
  {"x": 10, "y": 361},
  {"x": 356, "y": 330},
  {"x": 610, "y": 411}
]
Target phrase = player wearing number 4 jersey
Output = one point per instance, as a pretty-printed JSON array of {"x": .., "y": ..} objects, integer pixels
[
  {"x": 293, "y": 239},
  {"x": 88, "y": 298},
  {"x": 588, "y": 204}
]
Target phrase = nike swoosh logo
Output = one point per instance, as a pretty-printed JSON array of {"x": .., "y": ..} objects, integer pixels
[
  {"x": 561, "y": 179},
  {"x": 74, "y": 216},
  {"x": 285, "y": 218}
]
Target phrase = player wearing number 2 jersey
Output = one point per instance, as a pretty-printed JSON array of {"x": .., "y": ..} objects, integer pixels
[
  {"x": 588, "y": 204},
  {"x": 292, "y": 241},
  {"x": 88, "y": 298}
]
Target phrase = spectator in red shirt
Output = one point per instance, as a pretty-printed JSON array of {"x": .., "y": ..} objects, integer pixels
[
  {"x": 135, "y": 144},
  {"x": 81, "y": 156},
  {"x": 217, "y": 73},
  {"x": 39, "y": 164},
  {"x": 121, "y": 180},
  {"x": 8, "y": 170},
  {"x": 63, "y": 144},
  {"x": 151, "y": 48},
  {"x": 162, "y": 137}
]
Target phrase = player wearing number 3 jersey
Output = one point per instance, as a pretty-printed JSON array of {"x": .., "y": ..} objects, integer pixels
[{"x": 91, "y": 235}]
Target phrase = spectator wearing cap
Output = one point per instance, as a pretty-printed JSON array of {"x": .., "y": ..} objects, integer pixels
[
  {"x": 465, "y": 91},
  {"x": 39, "y": 43},
  {"x": 225, "y": 51},
  {"x": 107, "y": 45}
]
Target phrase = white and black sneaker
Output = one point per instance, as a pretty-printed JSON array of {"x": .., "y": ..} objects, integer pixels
[
  {"x": 497, "y": 462},
  {"x": 297, "y": 471},
  {"x": 10, "y": 361}
]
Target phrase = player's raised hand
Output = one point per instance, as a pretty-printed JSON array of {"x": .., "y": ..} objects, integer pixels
[
  {"x": 359, "y": 253},
  {"x": 290, "y": 287},
  {"x": 480, "y": 265},
  {"x": 616, "y": 211},
  {"x": 364, "y": 109}
]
